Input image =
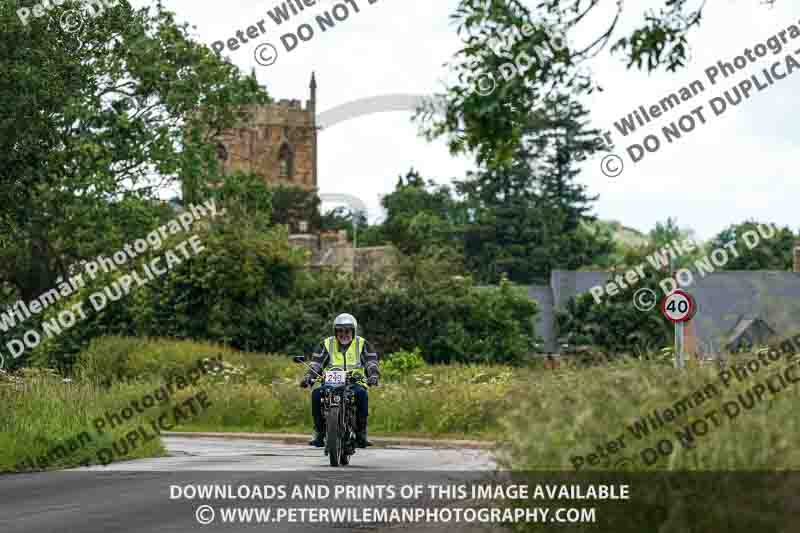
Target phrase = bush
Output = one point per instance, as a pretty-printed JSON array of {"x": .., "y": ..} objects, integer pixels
[
  {"x": 215, "y": 294},
  {"x": 615, "y": 325},
  {"x": 247, "y": 289},
  {"x": 401, "y": 363},
  {"x": 450, "y": 320}
]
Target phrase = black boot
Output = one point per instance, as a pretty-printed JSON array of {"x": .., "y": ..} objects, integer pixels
[
  {"x": 361, "y": 434},
  {"x": 319, "y": 435},
  {"x": 318, "y": 440}
]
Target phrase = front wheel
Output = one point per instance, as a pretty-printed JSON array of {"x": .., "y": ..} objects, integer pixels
[{"x": 333, "y": 436}]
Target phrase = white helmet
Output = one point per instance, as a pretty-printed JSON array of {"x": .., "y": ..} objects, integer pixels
[{"x": 345, "y": 320}]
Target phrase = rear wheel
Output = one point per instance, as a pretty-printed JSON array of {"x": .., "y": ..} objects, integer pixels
[{"x": 333, "y": 436}]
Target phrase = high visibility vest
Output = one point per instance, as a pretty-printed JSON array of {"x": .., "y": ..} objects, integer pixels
[{"x": 352, "y": 356}]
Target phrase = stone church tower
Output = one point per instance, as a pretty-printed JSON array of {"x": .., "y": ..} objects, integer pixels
[{"x": 278, "y": 142}]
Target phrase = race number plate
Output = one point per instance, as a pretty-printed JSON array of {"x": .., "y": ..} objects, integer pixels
[{"x": 335, "y": 377}]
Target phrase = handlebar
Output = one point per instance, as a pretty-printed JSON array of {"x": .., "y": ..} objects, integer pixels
[
  {"x": 360, "y": 371},
  {"x": 353, "y": 376}
]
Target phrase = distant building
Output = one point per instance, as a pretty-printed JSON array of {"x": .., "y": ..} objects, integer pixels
[
  {"x": 278, "y": 141},
  {"x": 735, "y": 308},
  {"x": 332, "y": 250}
]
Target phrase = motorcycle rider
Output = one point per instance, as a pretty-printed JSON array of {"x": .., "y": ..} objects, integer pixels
[{"x": 344, "y": 346}]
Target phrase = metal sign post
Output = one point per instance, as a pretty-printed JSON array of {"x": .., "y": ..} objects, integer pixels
[
  {"x": 678, "y": 343},
  {"x": 679, "y": 307}
]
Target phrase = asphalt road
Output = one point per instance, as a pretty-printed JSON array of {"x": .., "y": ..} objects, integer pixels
[
  {"x": 150, "y": 495},
  {"x": 192, "y": 454}
]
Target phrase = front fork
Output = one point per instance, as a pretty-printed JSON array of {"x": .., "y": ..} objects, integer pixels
[
  {"x": 347, "y": 414},
  {"x": 351, "y": 420}
]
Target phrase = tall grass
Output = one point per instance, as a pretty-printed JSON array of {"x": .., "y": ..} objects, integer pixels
[
  {"x": 47, "y": 423},
  {"x": 572, "y": 411},
  {"x": 543, "y": 418},
  {"x": 250, "y": 392},
  {"x": 730, "y": 477}
]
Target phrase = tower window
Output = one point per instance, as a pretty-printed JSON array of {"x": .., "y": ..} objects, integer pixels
[{"x": 285, "y": 161}]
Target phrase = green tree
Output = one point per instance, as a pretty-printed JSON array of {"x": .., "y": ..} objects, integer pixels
[
  {"x": 421, "y": 215},
  {"x": 660, "y": 240},
  {"x": 245, "y": 197},
  {"x": 529, "y": 215},
  {"x": 291, "y": 204},
  {"x": 93, "y": 124},
  {"x": 615, "y": 325},
  {"x": 490, "y": 125},
  {"x": 771, "y": 246}
]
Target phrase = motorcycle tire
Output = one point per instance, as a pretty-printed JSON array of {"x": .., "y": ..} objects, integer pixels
[{"x": 333, "y": 436}]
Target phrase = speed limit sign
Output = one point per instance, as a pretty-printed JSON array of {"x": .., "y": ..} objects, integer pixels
[{"x": 678, "y": 306}]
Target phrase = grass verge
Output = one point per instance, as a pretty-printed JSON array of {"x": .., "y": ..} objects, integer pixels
[
  {"x": 248, "y": 392},
  {"x": 724, "y": 443}
]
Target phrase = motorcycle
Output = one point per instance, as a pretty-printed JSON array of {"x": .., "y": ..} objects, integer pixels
[{"x": 338, "y": 411}]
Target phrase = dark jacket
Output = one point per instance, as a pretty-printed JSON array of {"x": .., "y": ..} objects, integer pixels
[{"x": 321, "y": 359}]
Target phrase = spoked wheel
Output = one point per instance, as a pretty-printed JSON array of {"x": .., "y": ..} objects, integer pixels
[{"x": 333, "y": 437}]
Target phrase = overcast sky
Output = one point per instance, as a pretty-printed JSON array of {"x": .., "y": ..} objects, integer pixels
[{"x": 742, "y": 164}]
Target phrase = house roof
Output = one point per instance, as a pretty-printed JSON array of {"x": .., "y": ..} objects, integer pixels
[
  {"x": 728, "y": 302},
  {"x": 748, "y": 325},
  {"x": 569, "y": 283}
]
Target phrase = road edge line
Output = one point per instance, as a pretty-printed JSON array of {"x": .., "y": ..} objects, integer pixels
[{"x": 298, "y": 438}]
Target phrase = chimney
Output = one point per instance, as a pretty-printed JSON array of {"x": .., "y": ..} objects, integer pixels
[{"x": 796, "y": 255}]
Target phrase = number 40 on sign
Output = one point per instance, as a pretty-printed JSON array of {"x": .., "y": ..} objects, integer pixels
[{"x": 678, "y": 306}]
